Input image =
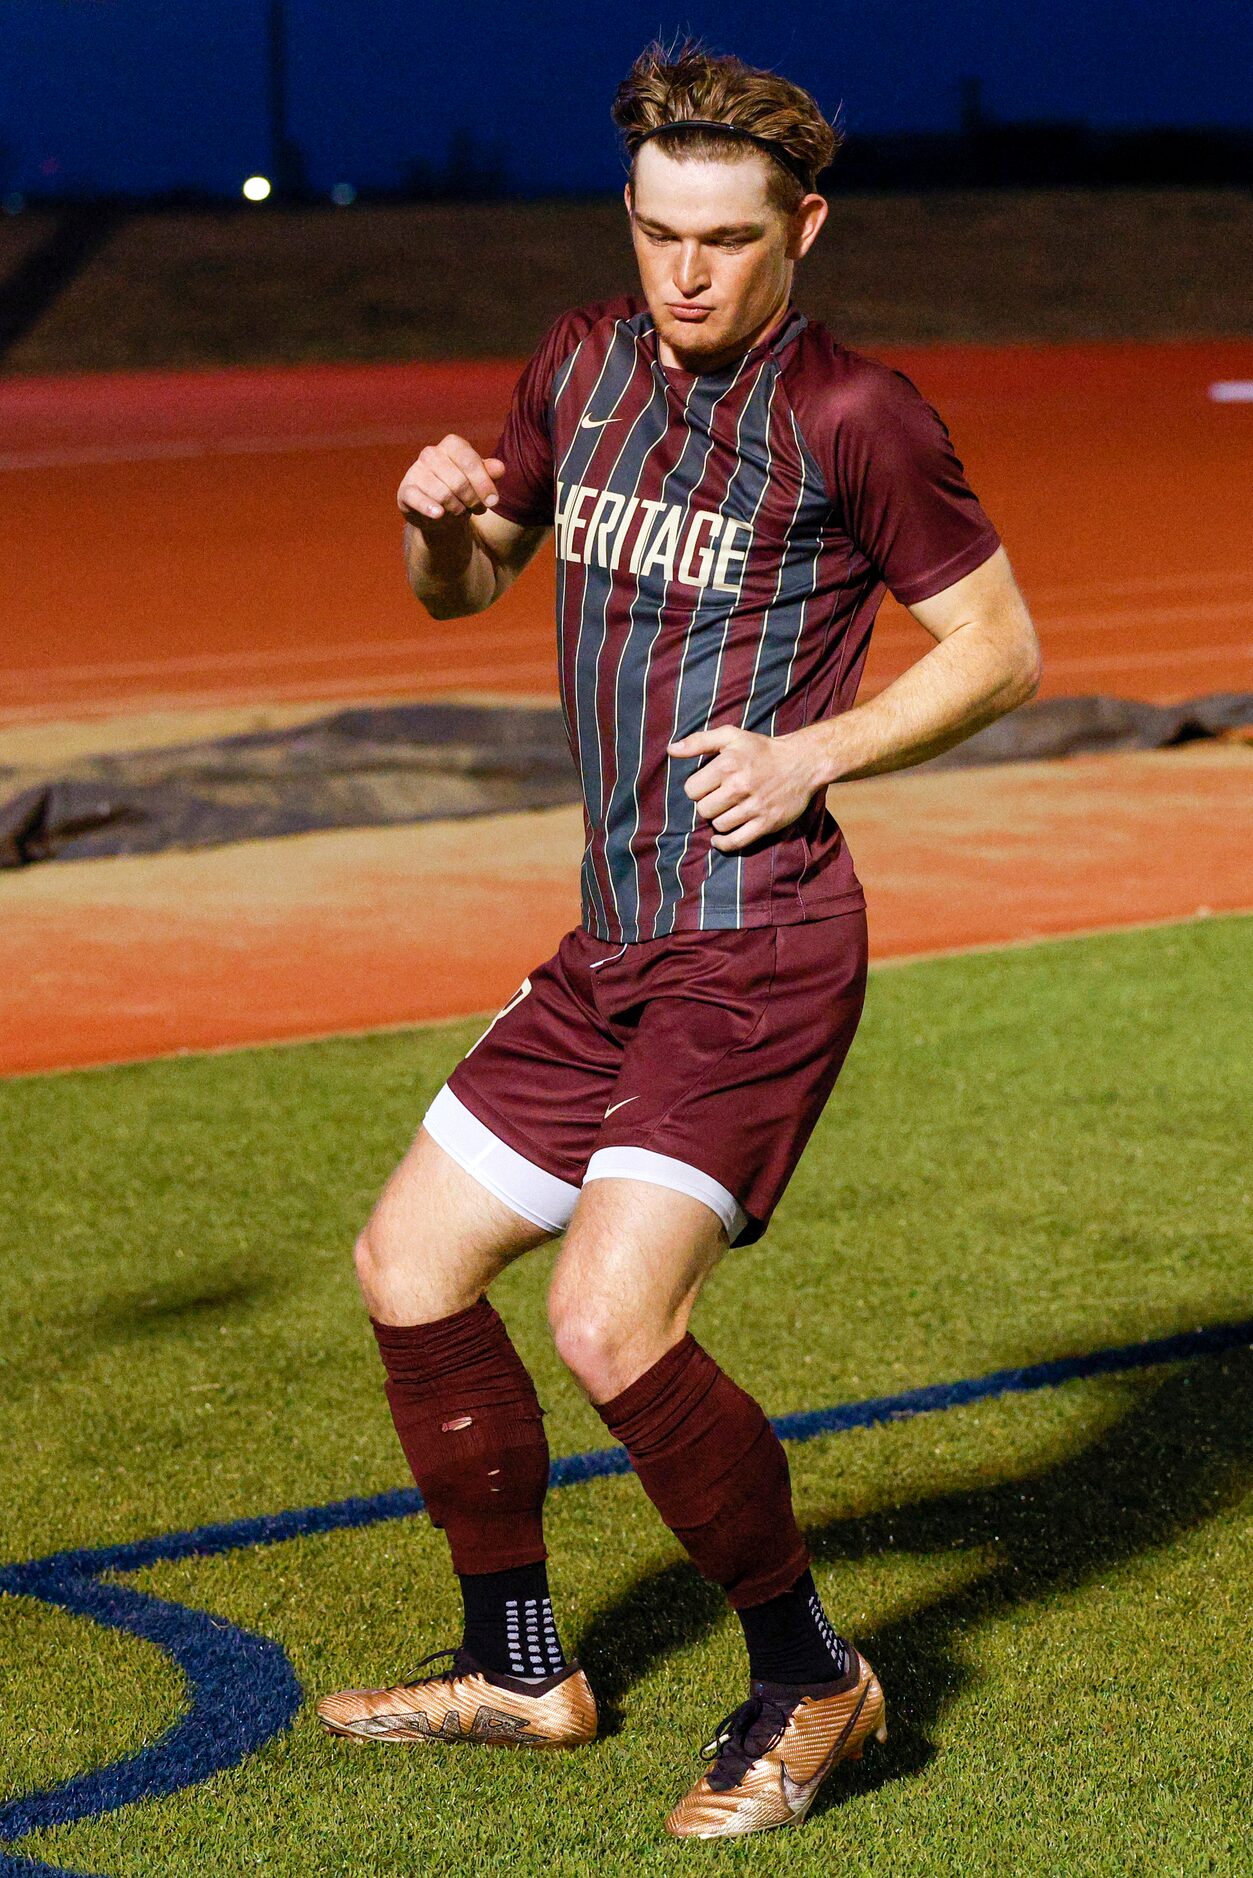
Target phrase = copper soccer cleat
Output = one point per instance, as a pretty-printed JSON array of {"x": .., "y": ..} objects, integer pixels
[
  {"x": 772, "y": 1754},
  {"x": 465, "y": 1703}
]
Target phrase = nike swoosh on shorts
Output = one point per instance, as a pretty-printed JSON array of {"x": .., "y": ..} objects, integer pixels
[{"x": 619, "y": 1105}]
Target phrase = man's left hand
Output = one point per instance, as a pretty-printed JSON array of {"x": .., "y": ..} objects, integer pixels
[{"x": 753, "y": 786}]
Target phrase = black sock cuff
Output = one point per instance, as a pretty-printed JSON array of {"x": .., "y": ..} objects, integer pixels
[{"x": 791, "y": 1641}]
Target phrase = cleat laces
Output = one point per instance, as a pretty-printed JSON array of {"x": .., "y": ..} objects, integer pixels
[
  {"x": 462, "y": 1664},
  {"x": 741, "y": 1738}
]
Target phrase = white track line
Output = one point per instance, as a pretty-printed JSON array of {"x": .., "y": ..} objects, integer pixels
[
  {"x": 428, "y": 677},
  {"x": 537, "y": 680},
  {"x": 1144, "y": 616},
  {"x": 431, "y": 674},
  {"x": 470, "y": 639},
  {"x": 183, "y": 449},
  {"x": 83, "y": 456},
  {"x": 1090, "y": 591},
  {"x": 1112, "y": 620},
  {"x": 1135, "y": 661},
  {"x": 428, "y": 650}
]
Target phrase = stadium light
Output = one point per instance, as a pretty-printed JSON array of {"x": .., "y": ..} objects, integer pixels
[
  {"x": 257, "y": 188},
  {"x": 343, "y": 195}
]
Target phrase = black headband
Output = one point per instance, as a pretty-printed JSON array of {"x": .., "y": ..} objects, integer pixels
[{"x": 801, "y": 171}]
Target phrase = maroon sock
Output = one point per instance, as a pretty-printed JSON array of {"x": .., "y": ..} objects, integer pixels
[
  {"x": 715, "y": 1470},
  {"x": 472, "y": 1430}
]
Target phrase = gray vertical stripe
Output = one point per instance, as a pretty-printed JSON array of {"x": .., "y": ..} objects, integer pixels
[
  {"x": 724, "y": 870},
  {"x": 813, "y": 478},
  {"x": 780, "y": 646},
  {"x": 780, "y": 632},
  {"x": 701, "y": 666}
]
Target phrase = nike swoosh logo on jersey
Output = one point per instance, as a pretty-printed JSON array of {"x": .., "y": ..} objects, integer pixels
[
  {"x": 619, "y": 1105},
  {"x": 594, "y": 423}
]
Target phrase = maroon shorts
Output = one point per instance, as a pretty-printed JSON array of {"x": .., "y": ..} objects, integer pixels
[{"x": 712, "y": 1051}]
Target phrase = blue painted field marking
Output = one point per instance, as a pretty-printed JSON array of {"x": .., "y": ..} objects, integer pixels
[{"x": 243, "y": 1689}]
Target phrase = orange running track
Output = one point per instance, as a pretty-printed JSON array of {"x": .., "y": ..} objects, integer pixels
[
  {"x": 348, "y": 930},
  {"x": 178, "y": 539}
]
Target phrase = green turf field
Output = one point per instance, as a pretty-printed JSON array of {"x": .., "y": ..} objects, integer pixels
[{"x": 1031, "y": 1154}]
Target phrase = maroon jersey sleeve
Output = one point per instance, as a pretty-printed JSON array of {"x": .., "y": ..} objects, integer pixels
[
  {"x": 525, "y": 446},
  {"x": 894, "y": 477}
]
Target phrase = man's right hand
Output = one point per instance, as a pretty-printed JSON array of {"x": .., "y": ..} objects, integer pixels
[{"x": 448, "y": 479}]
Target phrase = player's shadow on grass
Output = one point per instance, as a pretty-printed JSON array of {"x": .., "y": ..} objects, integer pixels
[
  {"x": 165, "y": 1306},
  {"x": 1178, "y": 1456}
]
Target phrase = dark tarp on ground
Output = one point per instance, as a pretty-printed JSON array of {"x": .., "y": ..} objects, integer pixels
[{"x": 419, "y": 762}]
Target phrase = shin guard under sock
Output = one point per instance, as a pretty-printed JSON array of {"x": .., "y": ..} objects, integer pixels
[
  {"x": 472, "y": 1430},
  {"x": 715, "y": 1470}
]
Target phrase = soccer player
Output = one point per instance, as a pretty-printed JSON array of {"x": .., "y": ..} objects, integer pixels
[{"x": 730, "y": 491}]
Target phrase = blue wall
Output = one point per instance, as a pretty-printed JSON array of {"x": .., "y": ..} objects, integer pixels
[{"x": 152, "y": 94}]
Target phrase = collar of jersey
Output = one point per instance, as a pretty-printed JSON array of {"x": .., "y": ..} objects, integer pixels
[{"x": 790, "y": 324}]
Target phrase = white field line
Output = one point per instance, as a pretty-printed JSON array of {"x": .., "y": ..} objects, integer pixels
[{"x": 184, "y": 449}]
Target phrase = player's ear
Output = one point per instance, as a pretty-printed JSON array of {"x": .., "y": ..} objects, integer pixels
[
  {"x": 806, "y": 220},
  {"x": 626, "y": 194}
]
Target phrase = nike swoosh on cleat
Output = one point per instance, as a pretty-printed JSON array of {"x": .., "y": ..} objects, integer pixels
[{"x": 799, "y": 1793}]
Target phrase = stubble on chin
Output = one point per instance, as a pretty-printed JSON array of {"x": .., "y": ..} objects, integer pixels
[{"x": 695, "y": 341}]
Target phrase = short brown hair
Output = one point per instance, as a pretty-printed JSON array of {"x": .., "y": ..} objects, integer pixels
[{"x": 666, "y": 85}]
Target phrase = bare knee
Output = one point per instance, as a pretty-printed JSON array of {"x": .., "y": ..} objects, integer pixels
[
  {"x": 435, "y": 1241},
  {"x": 603, "y": 1346},
  {"x": 590, "y": 1343},
  {"x": 389, "y": 1272},
  {"x": 369, "y": 1256},
  {"x": 406, "y": 1278}
]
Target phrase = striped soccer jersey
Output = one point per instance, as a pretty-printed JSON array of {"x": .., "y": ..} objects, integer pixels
[{"x": 723, "y": 541}]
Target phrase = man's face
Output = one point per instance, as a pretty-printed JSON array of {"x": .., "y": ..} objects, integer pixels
[{"x": 715, "y": 256}]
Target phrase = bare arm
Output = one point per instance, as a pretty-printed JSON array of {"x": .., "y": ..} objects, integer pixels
[
  {"x": 986, "y": 661},
  {"x": 459, "y": 555}
]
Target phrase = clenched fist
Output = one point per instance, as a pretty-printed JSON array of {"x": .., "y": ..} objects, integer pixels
[{"x": 449, "y": 478}]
